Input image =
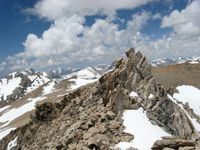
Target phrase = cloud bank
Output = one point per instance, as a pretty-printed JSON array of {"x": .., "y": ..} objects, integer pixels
[
  {"x": 56, "y": 9},
  {"x": 71, "y": 43}
]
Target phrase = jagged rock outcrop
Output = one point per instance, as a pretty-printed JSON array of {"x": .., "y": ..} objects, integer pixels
[
  {"x": 134, "y": 74},
  {"x": 172, "y": 143},
  {"x": 79, "y": 121},
  {"x": 90, "y": 117}
]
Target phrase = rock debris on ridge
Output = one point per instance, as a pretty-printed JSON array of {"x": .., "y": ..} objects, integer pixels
[{"x": 91, "y": 116}]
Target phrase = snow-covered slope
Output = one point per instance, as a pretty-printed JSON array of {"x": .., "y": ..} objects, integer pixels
[
  {"x": 8, "y": 86},
  {"x": 13, "y": 112},
  {"x": 189, "y": 94},
  {"x": 188, "y": 98},
  {"x": 10, "y": 113},
  {"x": 137, "y": 123},
  {"x": 83, "y": 77},
  {"x": 18, "y": 84},
  {"x": 85, "y": 107},
  {"x": 59, "y": 72}
]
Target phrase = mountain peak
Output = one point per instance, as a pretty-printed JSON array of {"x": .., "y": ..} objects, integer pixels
[
  {"x": 91, "y": 116},
  {"x": 17, "y": 84}
]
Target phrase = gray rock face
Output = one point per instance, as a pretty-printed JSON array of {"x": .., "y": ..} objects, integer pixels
[
  {"x": 134, "y": 74},
  {"x": 90, "y": 117},
  {"x": 174, "y": 144},
  {"x": 79, "y": 121}
]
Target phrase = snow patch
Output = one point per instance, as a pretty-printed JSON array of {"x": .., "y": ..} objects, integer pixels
[
  {"x": 133, "y": 94},
  {"x": 88, "y": 73},
  {"x": 49, "y": 88},
  {"x": 83, "y": 77},
  {"x": 193, "y": 62},
  {"x": 12, "y": 144},
  {"x": 81, "y": 82},
  {"x": 61, "y": 95},
  {"x": 37, "y": 81},
  {"x": 17, "y": 112},
  {"x": 3, "y": 133},
  {"x": 8, "y": 86},
  {"x": 189, "y": 94},
  {"x": 194, "y": 121},
  {"x": 151, "y": 96},
  {"x": 145, "y": 133},
  {"x": 4, "y": 108}
]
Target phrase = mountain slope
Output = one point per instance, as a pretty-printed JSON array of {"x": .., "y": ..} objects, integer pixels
[
  {"x": 178, "y": 74},
  {"x": 90, "y": 117},
  {"x": 16, "y": 113},
  {"x": 17, "y": 84}
]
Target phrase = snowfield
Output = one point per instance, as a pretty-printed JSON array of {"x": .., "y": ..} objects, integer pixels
[
  {"x": 4, "y": 108},
  {"x": 17, "y": 112},
  {"x": 194, "y": 62},
  {"x": 14, "y": 113},
  {"x": 5, "y": 132},
  {"x": 37, "y": 81},
  {"x": 189, "y": 94},
  {"x": 145, "y": 133},
  {"x": 14, "y": 80},
  {"x": 133, "y": 94},
  {"x": 135, "y": 121},
  {"x": 8, "y": 86},
  {"x": 85, "y": 76},
  {"x": 81, "y": 82},
  {"x": 194, "y": 121},
  {"x": 88, "y": 73},
  {"x": 49, "y": 88}
]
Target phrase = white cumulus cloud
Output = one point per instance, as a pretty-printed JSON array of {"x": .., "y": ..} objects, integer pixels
[
  {"x": 55, "y": 9},
  {"x": 69, "y": 42},
  {"x": 185, "y": 37},
  {"x": 186, "y": 21}
]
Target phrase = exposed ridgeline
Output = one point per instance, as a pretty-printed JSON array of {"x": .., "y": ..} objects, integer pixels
[
  {"x": 134, "y": 74},
  {"x": 90, "y": 117}
]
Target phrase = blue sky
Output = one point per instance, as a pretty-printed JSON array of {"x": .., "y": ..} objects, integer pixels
[
  {"x": 31, "y": 31},
  {"x": 15, "y": 25}
]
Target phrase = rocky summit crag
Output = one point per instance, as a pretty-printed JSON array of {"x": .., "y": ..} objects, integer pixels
[{"x": 91, "y": 116}]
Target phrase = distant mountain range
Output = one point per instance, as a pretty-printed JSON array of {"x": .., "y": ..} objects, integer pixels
[
  {"x": 127, "y": 105},
  {"x": 179, "y": 60},
  {"x": 17, "y": 84}
]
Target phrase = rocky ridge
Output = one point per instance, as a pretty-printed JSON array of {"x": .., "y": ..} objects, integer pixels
[{"x": 91, "y": 116}]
